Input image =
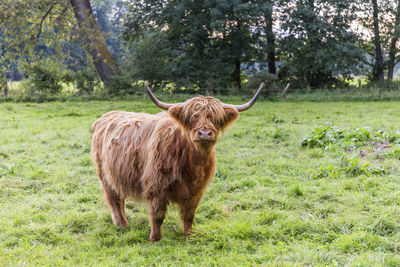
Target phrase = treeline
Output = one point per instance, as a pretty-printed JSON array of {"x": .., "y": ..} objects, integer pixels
[{"x": 199, "y": 44}]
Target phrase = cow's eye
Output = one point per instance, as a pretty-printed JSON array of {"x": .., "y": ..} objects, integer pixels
[{"x": 194, "y": 117}]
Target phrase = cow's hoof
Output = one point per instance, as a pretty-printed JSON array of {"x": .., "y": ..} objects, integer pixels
[
  {"x": 155, "y": 238},
  {"x": 122, "y": 224},
  {"x": 187, "y": 233}
]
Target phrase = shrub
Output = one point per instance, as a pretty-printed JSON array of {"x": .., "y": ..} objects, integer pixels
[
  {"x": 67, "y": 76},
  {"x": 121, "y": 84},
  {"x": 86, "y": 81},
  {"x": 44, "y": 77},
  {"x": 267, "y": 78}
]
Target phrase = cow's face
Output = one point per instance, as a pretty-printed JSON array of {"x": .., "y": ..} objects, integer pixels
[{"x": 203, "y": 118}]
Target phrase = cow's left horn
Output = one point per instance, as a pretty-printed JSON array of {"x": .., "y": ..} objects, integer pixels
[
  {"x": 250, "y": 103},
  {"x": 155, "y": 100}
]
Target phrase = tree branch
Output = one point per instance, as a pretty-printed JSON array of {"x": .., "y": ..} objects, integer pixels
[
  {"x": 42, "y": 21},
  {"x": 62, "y": 13}
]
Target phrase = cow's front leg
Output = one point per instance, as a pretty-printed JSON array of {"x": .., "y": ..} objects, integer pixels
[
  {"x": 157, "y": 208},
  {"x": 187, "y": 211}
]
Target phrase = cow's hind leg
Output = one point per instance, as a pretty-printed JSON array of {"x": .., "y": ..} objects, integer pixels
[
  {"x": 157, "y": 207},
  {"x": 117, "y": 206}
]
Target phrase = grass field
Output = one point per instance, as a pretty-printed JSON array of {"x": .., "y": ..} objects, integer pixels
[{"x": 272, "y": 200}]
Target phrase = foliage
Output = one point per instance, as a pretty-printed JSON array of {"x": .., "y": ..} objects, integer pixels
[
  {"x": 48, "y": 78},
  {"x": 388, "y": 27},
  {"x": 67, "y": 76},
  {"x": 123, "y": 84},
  {"x": 28, "y": 30},
  {"x": 207, "y": 43},
  {"x": 345, "y": 138},
  {"x": 209, "y": 40},
  {"x": 350, "y": 166},
  {"x": 353, "y": 167},
  {"x": 319, "y": 45},
  {"x": 257, "y": 78},
  {"x": 394, "y": 153},
  {"x": 86, "y": 80},
  {"x": 152, "y": 60},
  {"x": 322, "y": 136},
  {"x": 31, "y": 31},
  {"x": 44, "y": 77},
  {"x": 109, "y": 14}
]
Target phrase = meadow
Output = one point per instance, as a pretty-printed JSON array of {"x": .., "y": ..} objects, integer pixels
[{"x": 287, "y": 191}]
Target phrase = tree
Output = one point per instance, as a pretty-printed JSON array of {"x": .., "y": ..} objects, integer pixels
[
  {"x": 395, "y": 37},
  {"x": 151, "y": 60},
  {"x": 210, "y": 39},
  {"x": 270, "y": 36},
  {"x": 94, "y": 41},
  {"x": 317, "y": 43},
  {"x": 109, "y": 16},
  {"x": 378, "y": 68},
  {"x": 30, "y": 28},
  {"x": 380, "y": 22}
]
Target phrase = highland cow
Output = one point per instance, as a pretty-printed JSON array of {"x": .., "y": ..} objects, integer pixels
[{"x": 164, "y": 158}]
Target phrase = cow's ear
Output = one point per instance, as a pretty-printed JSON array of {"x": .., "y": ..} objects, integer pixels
[
  {"x": 176, "y": 113},
  {"x": 231, "y": 114}
]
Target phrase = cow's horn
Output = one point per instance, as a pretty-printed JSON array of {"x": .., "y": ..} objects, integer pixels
[
  {"x": 155, "y": 100},
  {"x": 250, "y": 103}
]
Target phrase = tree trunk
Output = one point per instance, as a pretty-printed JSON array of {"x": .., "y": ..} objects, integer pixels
[
  {"x": 270, "y": 39},
  {"x": 236, "y": 74},
  {"x": 378, "y": 73},
  {"x": 395, "y": 38},
  {"x": 94, "y": 41},
  {"x": 5, "y": 88}
]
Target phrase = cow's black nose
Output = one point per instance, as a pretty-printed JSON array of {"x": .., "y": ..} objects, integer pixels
[{"x": 205, "y": 134}]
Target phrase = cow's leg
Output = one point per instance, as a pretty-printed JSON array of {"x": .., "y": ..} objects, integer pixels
[
  {"x": 157, "y": 207},
  {"x": 117, "y": 206},
  {"x": 187, "y": 210}
]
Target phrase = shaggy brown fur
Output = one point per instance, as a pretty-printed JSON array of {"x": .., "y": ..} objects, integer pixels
[{"x": 163, "y": 158}]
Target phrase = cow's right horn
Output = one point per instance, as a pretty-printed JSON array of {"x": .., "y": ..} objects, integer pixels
[{"x": 248, "y": 104}]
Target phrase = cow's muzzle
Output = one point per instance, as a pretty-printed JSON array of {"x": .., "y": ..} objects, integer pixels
[{"x": 205, "y": 136}]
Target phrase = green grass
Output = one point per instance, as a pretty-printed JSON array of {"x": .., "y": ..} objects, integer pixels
[
  {"x": 272, "y": 201},
  {"x": 387, "y": 91}
]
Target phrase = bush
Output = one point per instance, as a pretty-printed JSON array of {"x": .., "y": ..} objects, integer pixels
[
  {"x": 67, "y": 76},
  {"x": 267, "y": 78},
  {"x": 121, "y": 84},
  {"x": 86, "y": 81},
  {"x": 44, "y": 77}
]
